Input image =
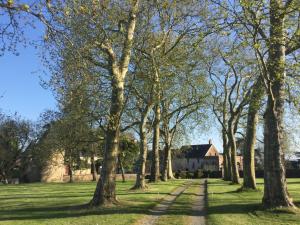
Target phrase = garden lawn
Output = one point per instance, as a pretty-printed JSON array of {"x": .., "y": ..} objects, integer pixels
[
  {"x": 62, "y": 203},
  {"x": 227, "y": 206}
]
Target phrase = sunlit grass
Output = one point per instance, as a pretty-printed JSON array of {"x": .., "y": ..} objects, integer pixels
[
  {"x": 62, "y": 203},
  {"x": 228, "y": 206}
]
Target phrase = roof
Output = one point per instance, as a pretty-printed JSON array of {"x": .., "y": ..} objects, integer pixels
[{"x": 195, "y": 151}]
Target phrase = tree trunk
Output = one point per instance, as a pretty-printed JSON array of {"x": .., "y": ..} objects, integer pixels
[
  {"x": 121, "y": 169},
  {"x": 105, "y": 192},
  {"x": 140, "y": 182},
  {"x": 226, "y": 157},
  {"x": 250, "y": 139},
  {"x": 4, "y": 178},
  {"x": 249, "y": 149},
  {"x": 155, "y": 172},
  {"x": 275, "y": 187},
  {"x": 170, "y": 169},
  {"x": 232, "y": 144},
  {"x": 167, "y": 154},
  {"x": 94, "y": 170},
  {"x": 70, "y": 174}
]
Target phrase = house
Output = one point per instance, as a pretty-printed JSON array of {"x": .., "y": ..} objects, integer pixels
[
  {"x": 202, "y": 156},
  {"x": 54, "y": 170},
  {"x": 293, "y": 162}
]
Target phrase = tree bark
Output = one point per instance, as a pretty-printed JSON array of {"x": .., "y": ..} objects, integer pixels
[
  {"x": 94, "y": 170},
  {"x": 155, "y": 171},
  {"x": 167, "y": 154},
  {"x": 170, "y": 169},
  {"x": 232, "y": 143},
  {"x": 140, "y": 182},
  {"x": 70, "y": 174},
  {"x": 249, "y": 149},
  {"x": 250, "y": 139},
  {"x": 275, "y": 186},
  {"x": 105, "y": 192},
  {"x": 226, "y": 157},
  {"x": 121, "y": 168},
  {"x": 4, "y": 178}
]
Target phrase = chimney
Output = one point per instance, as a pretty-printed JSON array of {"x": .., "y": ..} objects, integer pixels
[{"x": 210, "y": 141}]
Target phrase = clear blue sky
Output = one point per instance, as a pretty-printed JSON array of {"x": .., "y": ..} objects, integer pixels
[{"x": 20, "y": 82}]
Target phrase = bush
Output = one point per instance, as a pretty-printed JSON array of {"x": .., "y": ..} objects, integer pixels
[
  {"x": 198, "y": 174},
  {"x": 183, "y": 174},
  {"x": 212, "y": 174}
]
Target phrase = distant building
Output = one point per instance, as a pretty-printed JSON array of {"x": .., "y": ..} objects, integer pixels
[
  {"x": 202, "y": 156},
  {"x": 293, "y": 162},
  {"x": 55, "y": 170}
]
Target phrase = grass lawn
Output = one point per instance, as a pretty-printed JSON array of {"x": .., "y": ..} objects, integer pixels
[
  {"x": 181, "y": 208},
  {"x": 227, "y": 206},
  {"x": 40, "y": 203}
]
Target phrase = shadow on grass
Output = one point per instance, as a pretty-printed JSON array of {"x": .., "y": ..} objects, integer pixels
[
  {"x": 234, "y": 208},
  {"x": 293, "y": 182},
  {"x": 58, "y": 212},
  {"x": 83, "y": 210},
  {"x": 43, "y": 197}
]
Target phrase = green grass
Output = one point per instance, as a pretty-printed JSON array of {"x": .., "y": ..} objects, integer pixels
[
  {"x": 56, "y": 203},
  {"x": 227, "y": 206},
  {"x": 181, "y": 208}
]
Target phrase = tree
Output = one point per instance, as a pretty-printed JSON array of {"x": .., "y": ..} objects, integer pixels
[
  {"x": 250, "y": 138},
  {"x": 105, "y": 190},
  {"x": 128, "y": 154},
  {"x": 266, "y": 25},
  {"x": 106, "y": 54},
  {"x": 231, "y": 91},
  {"x": 139, "y": 113},
  {"x": 184, "y": 98},
  {"x": 18, "y": 16},
  {"x": 16, "y": 135},
  {"x": 275, "y": 191}
]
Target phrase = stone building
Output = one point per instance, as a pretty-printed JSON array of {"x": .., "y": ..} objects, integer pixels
[
  {"x": 203, "y": 156},
  {"x": 55, "y": 170}
]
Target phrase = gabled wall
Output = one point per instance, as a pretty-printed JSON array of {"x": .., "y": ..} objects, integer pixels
[{"x": 212, "y": 151}]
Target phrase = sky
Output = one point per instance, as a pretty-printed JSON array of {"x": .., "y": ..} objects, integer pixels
[{"x": 20, "y": 84}]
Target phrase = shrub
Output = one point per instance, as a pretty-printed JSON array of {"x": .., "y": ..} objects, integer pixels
[{"x": 198, "y": 174}]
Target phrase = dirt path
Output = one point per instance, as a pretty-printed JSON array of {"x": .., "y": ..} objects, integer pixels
[
  {"x": 198, "y": 207},
  {"x": 162, "y": 207}
]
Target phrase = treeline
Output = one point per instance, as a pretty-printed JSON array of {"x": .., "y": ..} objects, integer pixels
[
  {"x": 158, "y": 67},
  {"x": 28, "y": 149}
]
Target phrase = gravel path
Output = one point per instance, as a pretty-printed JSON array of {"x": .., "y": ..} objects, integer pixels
[
  {"x": 162, "y": 207},
  {"x": 198, "y": 207}
]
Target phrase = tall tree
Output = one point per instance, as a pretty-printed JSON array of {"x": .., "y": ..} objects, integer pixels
[
  {"x": 249, "y": 181},
  {"x": 266, "y": 25},
  {"x": 231, "y": 91},
  {"x": 106, "y": 188},
  {"x": 275, "y": 187},
  {"x": 105, "y": 53}
]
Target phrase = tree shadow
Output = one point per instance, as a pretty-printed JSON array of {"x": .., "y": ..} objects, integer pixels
[
  {"x": 124, "y": 207},
  {"x": 293, "y": 182},
  {"x": 34, "y": 213},
  {"x": 234, "y": 208}
]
